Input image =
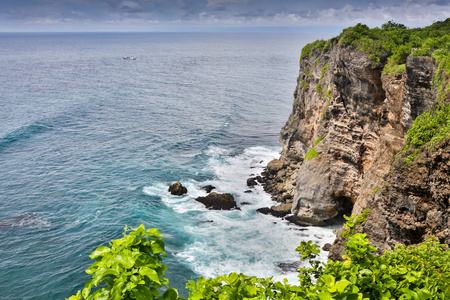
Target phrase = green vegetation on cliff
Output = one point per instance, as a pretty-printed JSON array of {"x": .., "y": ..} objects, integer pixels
[
  {"x": 393, "y": 42},
  {"x": 311, "y": 154},
  {"x": 131, "y": 268},
  {"x": 427, "y": 131}
]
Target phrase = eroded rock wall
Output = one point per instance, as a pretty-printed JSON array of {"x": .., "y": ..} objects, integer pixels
[{"x": 348, "y": 122}]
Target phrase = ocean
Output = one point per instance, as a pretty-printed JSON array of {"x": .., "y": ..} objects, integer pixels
[{"x": 90, "y": 142}]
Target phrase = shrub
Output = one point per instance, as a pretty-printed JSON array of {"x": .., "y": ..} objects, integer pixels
[
  {"x": 391, "y": 40},
  {"x": 392, "y": 67},
  {"x": 319, "y": 88},
  {"x": 130, "y": 268},
  {"x": 304, "y": 84},
  {"x": 430, "y": 127},
  {"x": 408, "y": 272}
]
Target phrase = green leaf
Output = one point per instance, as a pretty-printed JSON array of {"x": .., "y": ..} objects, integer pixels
[
  {"x": 154, "y": 232},
  {"x": 170, "y": 294},
  {"x": 126, "y": 260},
  {"x": 140, "y": 230},
  {"x": 324, "y": 295},
  {"x": 150, "y": 273},
  {"x": 157, "y": 246},
  {"x": 100, "y": 251},
  {"x": 328, "y": 280},
  {"x": 142, "y": 293},
  {"x": 341, "y": 285}
]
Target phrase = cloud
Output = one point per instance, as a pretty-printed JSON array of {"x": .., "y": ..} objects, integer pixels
[
  {"x": 45, "y": 21},
  {"x": 222, "y": 13},
  {"x": 216, "y": 2}
]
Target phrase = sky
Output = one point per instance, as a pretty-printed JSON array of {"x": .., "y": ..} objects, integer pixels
[{"x": 213, "y": 15}]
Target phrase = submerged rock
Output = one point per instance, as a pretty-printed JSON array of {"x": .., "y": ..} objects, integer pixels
[
  {"x": 208, "y": 188},
  {"x": 289, "y": 267},
  {"x": 20, "y": 221},
  {"x": 177, "y": 189},
  {"x": 206, "y": 221},
  {"x": 218, "y": 201}
]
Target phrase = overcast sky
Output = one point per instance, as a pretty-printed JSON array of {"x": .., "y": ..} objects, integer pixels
[{"x": 213, "y": 15}]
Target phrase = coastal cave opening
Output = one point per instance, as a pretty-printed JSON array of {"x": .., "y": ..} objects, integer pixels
[{"x": 345, "y": 208}]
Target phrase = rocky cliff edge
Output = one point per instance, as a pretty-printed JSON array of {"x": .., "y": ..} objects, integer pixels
[{"x": 348, "y": 122}]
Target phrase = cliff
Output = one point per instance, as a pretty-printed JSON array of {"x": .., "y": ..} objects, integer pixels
[{"x": 349, "y": 120}]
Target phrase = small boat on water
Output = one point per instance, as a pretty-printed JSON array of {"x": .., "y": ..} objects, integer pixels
[{"x": 130, "y": 57}]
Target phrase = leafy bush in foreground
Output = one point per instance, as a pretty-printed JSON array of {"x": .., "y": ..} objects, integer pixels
[{"x": 131, "y": 269}]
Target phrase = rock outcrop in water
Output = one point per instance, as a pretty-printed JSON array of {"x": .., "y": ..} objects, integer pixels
[
  {"x": 348, "y": 122},
  {"x": 218, "y": 201},
  {"x": 177, "y": 189}
]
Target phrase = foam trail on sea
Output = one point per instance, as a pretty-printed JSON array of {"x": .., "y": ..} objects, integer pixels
[{"x": 238, "y": 240}]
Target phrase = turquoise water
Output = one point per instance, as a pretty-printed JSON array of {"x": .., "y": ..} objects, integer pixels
[{"x": 89, "y": 142}]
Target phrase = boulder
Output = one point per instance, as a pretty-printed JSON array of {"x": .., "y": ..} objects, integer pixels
[
  {"x": 279, "y": 211},
  {"x": 218, "y": 201},
  {"x": 296, "y": 221},
  {"x": 260, "y": 179},
  {"x": 208, "y": 188},
  {"x": 326, "y": 247},
  {"x": 289, "y": 267},
  {"x": 263, "y": 210},
  {"x": 251, "y": 182},
  {"x": 177, "y": 189},
  {"x": 274, "y": 166}
]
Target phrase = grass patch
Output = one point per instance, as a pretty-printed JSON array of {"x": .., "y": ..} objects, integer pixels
[
  {"x": 319, "y": 45},
  {"x": 311, "y": 154},
  {"x": 319, "y": 88},
  {"x": 323, "y": 71},
  {"x": 393, "y": 68},
  {"x": 318, "y": 141},
  {"x": 304, "y": 84}
]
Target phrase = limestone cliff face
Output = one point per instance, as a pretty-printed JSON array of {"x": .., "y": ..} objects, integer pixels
[{"x": 348, "y": 122}]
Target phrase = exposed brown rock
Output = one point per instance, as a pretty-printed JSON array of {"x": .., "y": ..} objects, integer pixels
[
  {"x": 326, "y": 247},
  {"x": 274, "y": 166},
  {"x": 218, "y": 201},
  {"x": 280, "y": 211},
  {"x": 251, "y": 182},
  {"x": 177, "y": 189}
]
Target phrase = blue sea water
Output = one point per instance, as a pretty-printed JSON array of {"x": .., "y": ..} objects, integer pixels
[{"x": 89, "y": 142}]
